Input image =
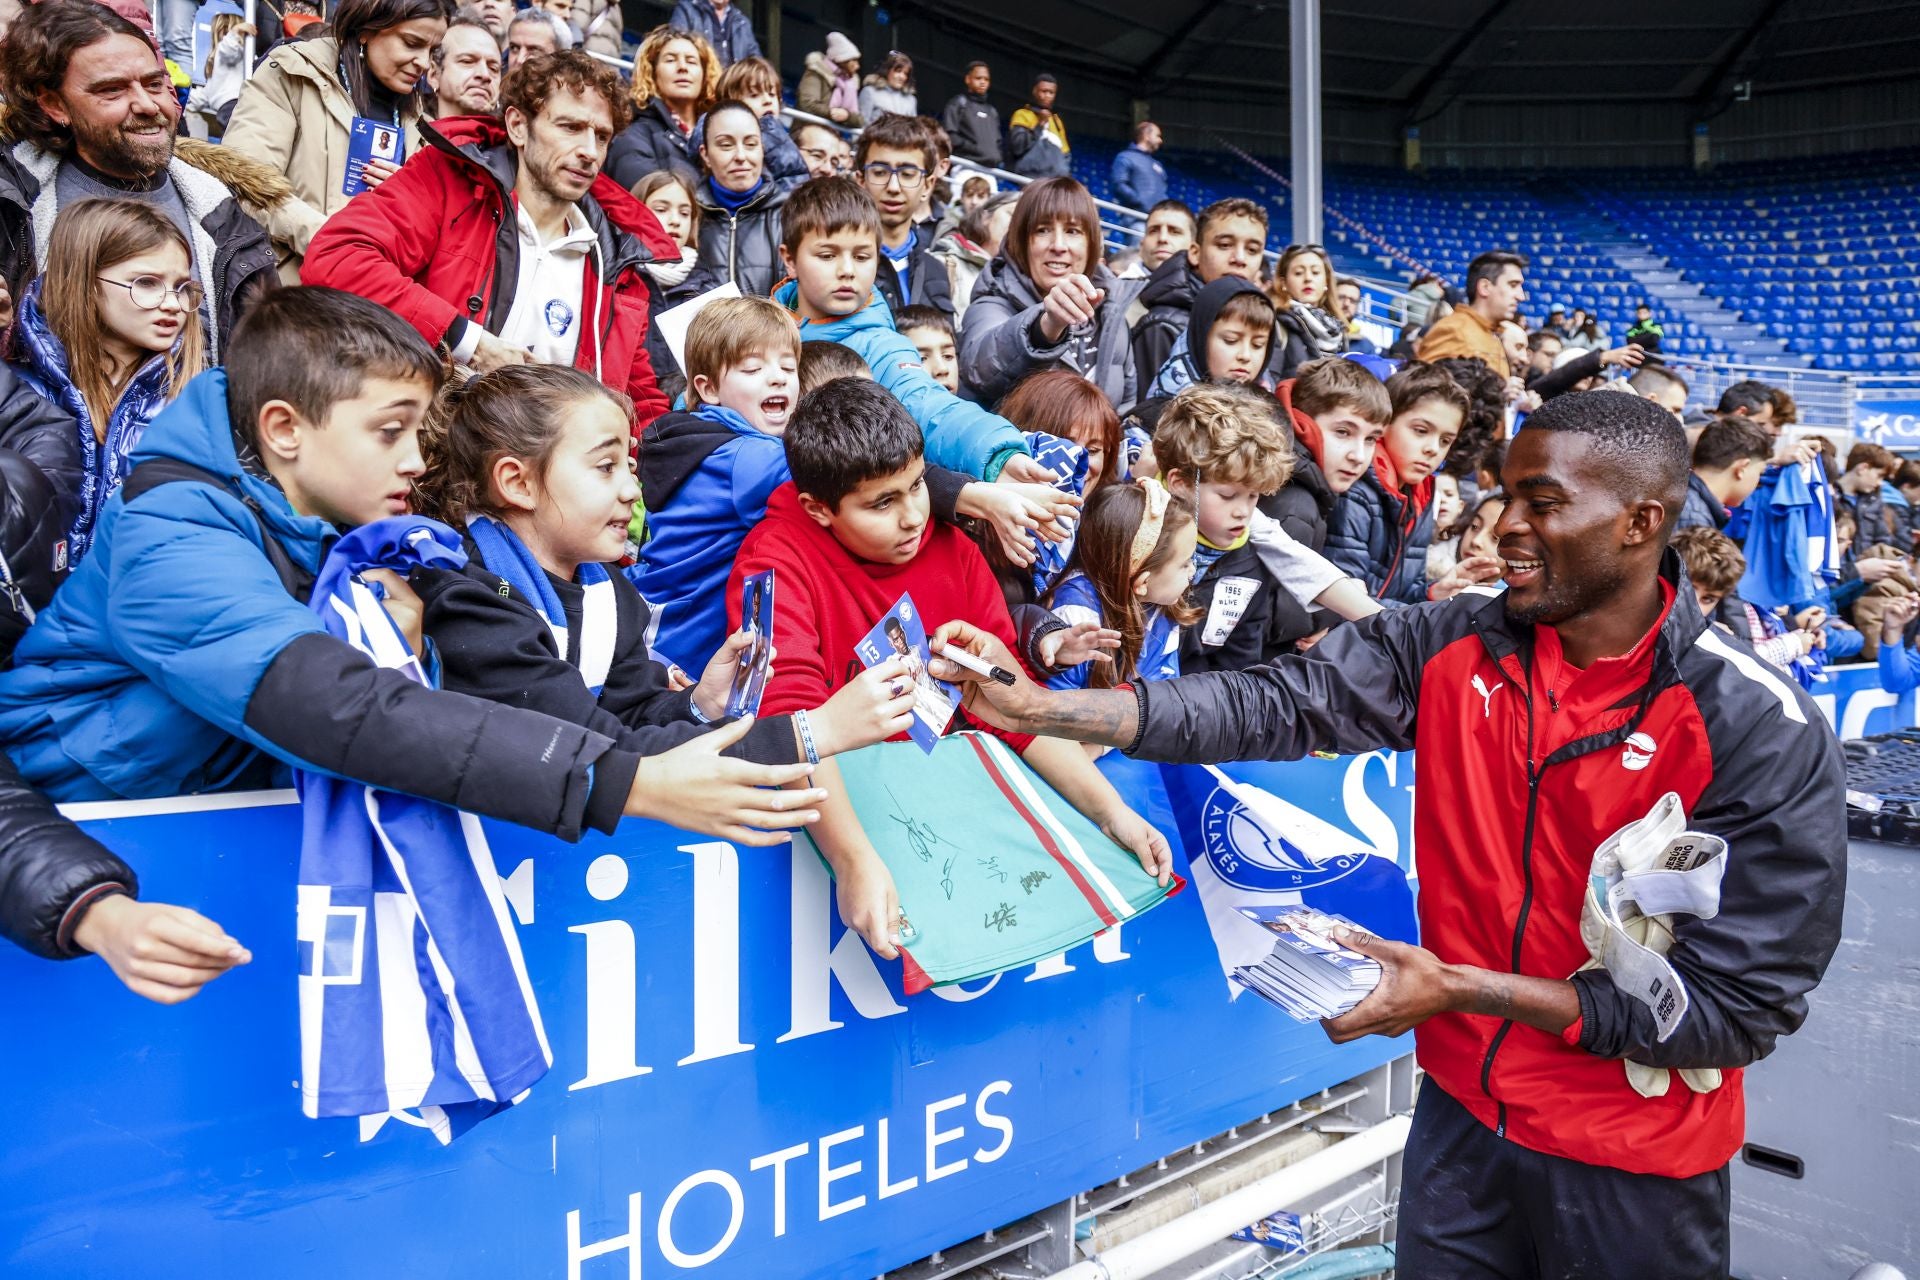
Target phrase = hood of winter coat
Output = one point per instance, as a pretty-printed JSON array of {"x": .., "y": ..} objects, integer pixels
[
  {"x": 958, "y": 247},
  {"x": 875, "y": 315},
  {"x": 252, "y": 181},
  {"x": 1207, "y": 305},
  {"x": 1305, "y": 429},
  {"x": 1173, "y": 283},
  {"x": 671, "y": 449}
]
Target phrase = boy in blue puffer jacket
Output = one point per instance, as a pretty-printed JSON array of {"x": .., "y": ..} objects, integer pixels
[
  {"x": 182, "y": 657},
  {"x": 830, "y": 245}
]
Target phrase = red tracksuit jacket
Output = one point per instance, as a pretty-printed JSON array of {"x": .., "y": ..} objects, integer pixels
[
  {"x": 436, "y": 244},
  {"x": 1526, "y": 764}
]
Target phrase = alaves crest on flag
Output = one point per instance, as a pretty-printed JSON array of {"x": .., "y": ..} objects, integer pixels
[
  {"x": 1247, "y": 847},
  {"x": 413, "y": 993},
  {"x": 994, "y": 869}
]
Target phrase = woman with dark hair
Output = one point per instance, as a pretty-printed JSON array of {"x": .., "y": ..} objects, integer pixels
[
  {"x": 675, "y": 77},
  {"x": 739, "y": 239},
  {"x": 297, "y": 112},
  {"x": 890, "y": 93},
  {"x": 1048, "y": 301}
]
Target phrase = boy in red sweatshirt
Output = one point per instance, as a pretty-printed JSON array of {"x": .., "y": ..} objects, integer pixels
[{"x": 847, "y": 537}]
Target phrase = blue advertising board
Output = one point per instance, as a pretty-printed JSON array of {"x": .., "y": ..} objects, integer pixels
[
  {"x": 1856, "y": 706},
  {"x": 1892, "y": 420},
  {"x": 739, "y": 1087}
]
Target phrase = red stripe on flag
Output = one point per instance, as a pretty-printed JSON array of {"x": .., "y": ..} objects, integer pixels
[
  {"x": 912, "y": 975},
  {"x": 1094, "y": 900}
]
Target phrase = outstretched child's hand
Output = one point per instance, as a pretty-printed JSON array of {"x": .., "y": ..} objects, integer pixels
[
  {"x": 1132, "y": 832},
  {"x": 870, "y": 905},
  {"x": 1893, "y": 622},
  {"x": 695, "y": 788},
  {"x": 1017, "y": 512},
  {"x": 1022, "y": 469},
  {"x": 1081, "y": 642},
  {"x": 1469, "y": 572},
  {"x": 716, "y": 682},
  {"x": 162, "y": 952},
  {"x": 870, "y": 708}
]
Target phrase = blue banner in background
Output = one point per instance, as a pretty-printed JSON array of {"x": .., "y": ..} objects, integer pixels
[
  {"x": 739, "y": 1087},
  {"x": 1856, "y": 706},
  {"x": 1890, "y": 420}
]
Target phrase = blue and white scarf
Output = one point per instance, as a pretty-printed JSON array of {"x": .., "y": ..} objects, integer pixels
[
  {"x": 414, "y": 999},
  {"x": 509, "y": 557},
  {"x": 1069, "y": 464}
]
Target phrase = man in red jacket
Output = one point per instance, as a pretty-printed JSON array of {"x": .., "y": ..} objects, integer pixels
[
  {"x": 504, "y": 242},
  {"x": 1546, "y": 719}
]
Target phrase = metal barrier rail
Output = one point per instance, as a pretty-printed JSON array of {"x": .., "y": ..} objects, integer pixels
[{"x": 1827, "y": 398}]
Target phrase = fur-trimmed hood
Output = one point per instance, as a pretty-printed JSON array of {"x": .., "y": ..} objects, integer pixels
[{"x": 250, "y": 181}]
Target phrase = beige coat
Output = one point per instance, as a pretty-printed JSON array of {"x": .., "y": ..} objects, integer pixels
[
  {"x": 1872, "y": 603},
  {"x": 295, "y": 116},
  {"x": 598, "y": 27}
]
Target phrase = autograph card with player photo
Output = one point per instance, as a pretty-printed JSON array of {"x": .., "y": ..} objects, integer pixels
[
  {"x": 901, "y": 634},
  {"x": 756, "y": 615},
  {"x": 370, "y": 140}
]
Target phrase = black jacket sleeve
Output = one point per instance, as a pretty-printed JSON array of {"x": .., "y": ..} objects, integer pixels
[
  {"x": 1355, "y": 691},
  {"x": 1564, "y": 379},
  {"x": 498, "y": 648},
  {"x": 44, "y": 434},
  {"x": 50, "y": 870},
  {"x": 1033, "y": 623},
  {"x": 943, "y": 491},
  {"x": 326, "y": 704},
  {"x": 1778, "y": 798}
]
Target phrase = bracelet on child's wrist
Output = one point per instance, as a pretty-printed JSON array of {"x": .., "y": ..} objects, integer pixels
[{"x": 805, "y": 727}]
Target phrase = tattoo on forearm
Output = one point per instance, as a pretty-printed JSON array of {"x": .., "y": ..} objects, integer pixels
[
  {"x": 1109, "y": 717},
  {"x": 1496, "y": 996}
]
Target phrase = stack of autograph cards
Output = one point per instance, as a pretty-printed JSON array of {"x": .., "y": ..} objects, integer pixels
[
  {"x": 1307, "y": 973},
  {"x": 901, "y": 634}
]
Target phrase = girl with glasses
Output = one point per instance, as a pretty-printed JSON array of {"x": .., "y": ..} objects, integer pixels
[{"x": 111, "y": 333}]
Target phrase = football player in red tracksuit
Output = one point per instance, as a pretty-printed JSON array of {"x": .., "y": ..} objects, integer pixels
[{"x": 1546, "y": 719}]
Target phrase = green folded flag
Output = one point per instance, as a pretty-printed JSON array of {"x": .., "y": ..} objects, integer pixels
[{"x": 995, "y": 870}]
